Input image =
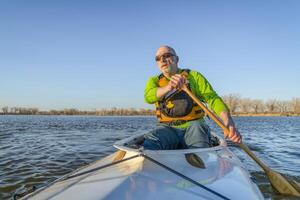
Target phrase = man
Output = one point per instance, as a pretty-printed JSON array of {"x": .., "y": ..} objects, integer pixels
[{"x": 181, "y": 123}]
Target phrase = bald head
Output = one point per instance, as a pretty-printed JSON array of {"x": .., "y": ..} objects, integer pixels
[{"x": 165, "y": 49}]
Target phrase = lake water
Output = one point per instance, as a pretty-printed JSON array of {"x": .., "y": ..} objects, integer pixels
[{"x": 36, "y": 150}]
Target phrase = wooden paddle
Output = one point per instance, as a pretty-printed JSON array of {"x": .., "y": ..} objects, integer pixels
[{"x": 282, "y": 184}]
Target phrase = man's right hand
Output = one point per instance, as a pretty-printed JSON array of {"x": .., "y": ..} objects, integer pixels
[{"x": 176, "y": 82}]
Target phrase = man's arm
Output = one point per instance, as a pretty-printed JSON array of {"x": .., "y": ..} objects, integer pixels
[
  {"x": 216, "y": 103},
  {"x": 162, "y": 91},
  {"x": 233, "y": 134},
  {"x": 150, "y": 90}
]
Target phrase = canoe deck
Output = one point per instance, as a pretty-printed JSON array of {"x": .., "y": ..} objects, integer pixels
[{"x": 141, "y": 178}]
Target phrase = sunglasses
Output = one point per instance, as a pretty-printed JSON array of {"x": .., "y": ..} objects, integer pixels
[{"x": 164, "y": 56}]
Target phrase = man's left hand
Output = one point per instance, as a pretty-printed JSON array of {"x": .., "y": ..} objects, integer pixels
[{"x": 233, "y": 134}]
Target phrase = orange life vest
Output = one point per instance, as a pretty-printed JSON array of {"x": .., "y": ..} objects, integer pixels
[{"x": 177, "y": 107}]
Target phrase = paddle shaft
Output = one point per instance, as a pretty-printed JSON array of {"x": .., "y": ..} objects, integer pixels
[
  {"x": 224, "y": 128},
  {"x": 281, "y": 184}
]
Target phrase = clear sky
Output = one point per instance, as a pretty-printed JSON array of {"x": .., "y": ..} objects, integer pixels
[{"x": 98, "y": 54}]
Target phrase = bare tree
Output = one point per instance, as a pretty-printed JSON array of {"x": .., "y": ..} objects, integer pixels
[
  {"x": 232, "y": 101},
  {"x": 271, "y": 105},
  {"x": 295, "y": 105},
  {"x": 245, "y": 105},
  {"x": 5, "y": 110},
  {"x": 282, "y": 106},
  {"x": 71, "y": 111},
  {"x": 13, "y": 110},
  {"x": 257, "y": 106}
]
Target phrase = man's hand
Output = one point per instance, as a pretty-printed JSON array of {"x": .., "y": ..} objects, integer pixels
[
  {"x": 177, "y": 81},
  {"x": 233, "y": 134}
]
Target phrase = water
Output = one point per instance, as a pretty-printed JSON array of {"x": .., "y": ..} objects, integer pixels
[{"x": 35, "y": 150}]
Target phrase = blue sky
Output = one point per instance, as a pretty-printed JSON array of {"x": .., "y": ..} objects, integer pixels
[{"x": 98, "y": 54}]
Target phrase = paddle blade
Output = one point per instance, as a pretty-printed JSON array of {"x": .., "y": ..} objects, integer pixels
[
  {"x": 283, "y": 185},
  {"x": 119, "y": 155}
]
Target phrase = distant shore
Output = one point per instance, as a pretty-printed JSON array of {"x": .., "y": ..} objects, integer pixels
[
  {"x": 150, "y": 114},
  {"x": 266, "y": 115},
  {"x": 126, "y": 112},
  {"x": 237, "y": 106},
  {"x": 73, "y": 111}
]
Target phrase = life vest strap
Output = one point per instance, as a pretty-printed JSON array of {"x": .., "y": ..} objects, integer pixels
[{"x": 175, "y": 123}]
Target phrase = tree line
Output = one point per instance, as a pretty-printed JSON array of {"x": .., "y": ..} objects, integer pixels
[
  {"x": 236, "y": 105},
  {"x": 247, "y": 106},
  {"x": 73, "y": 111}
]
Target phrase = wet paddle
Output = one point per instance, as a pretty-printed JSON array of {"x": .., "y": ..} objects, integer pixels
[{"x": 282, "y": 184}]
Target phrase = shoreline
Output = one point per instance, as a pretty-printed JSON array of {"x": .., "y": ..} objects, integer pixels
[
  {"x": 266, "y": 115},
  {"x": 128, "y": 115}
]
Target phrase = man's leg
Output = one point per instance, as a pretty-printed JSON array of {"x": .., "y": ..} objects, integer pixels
[
  {"x": 197, "y": 135},
  {"x": 162, "y": 138}
]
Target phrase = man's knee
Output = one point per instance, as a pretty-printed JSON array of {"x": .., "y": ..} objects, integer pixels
[
  {"x": 161, "y": 138},
  {"x": 197, "y": 135}
]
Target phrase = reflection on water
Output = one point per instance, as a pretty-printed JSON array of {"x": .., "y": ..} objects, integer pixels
[{"x": 35, "y": 150}]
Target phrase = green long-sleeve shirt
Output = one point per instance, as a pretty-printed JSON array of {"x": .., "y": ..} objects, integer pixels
[{"x": 199, "y": 86}]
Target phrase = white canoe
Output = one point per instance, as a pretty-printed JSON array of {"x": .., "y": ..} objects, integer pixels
[{"x": 148, "y": 174}]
